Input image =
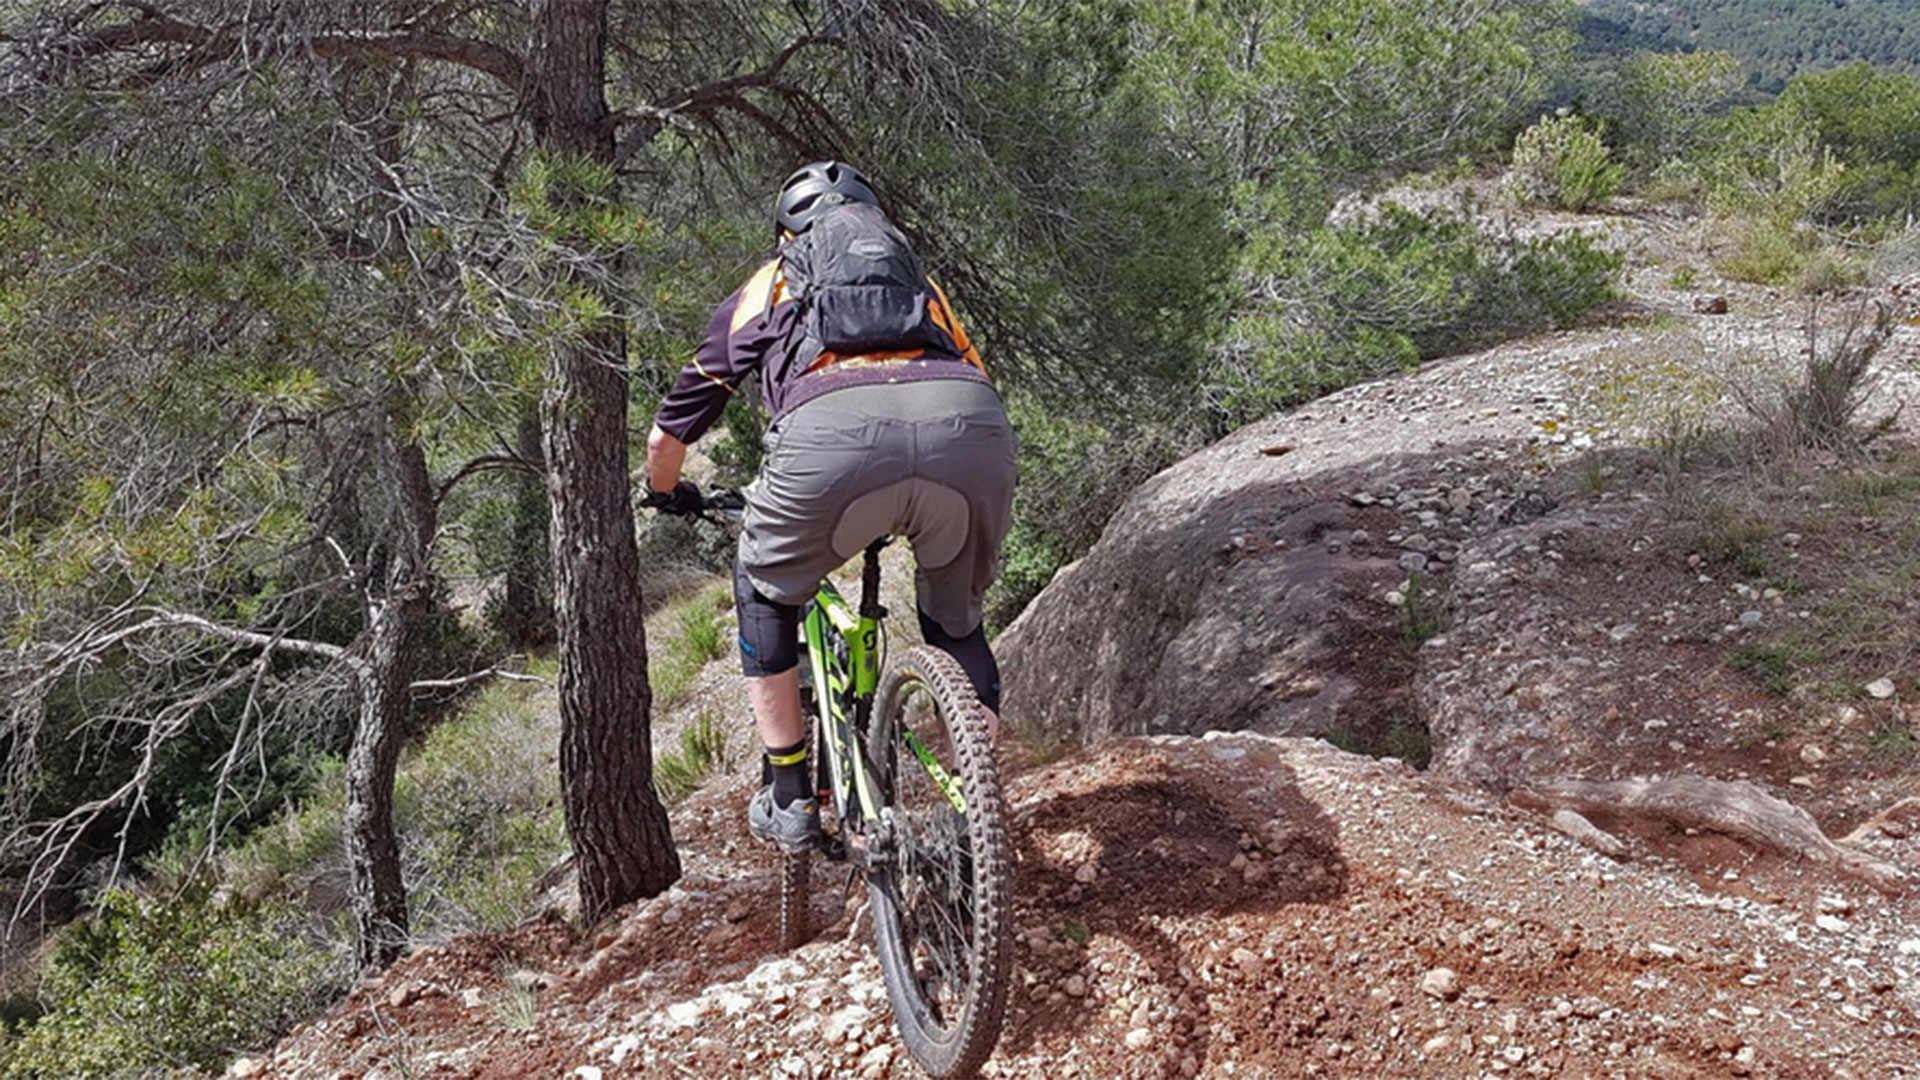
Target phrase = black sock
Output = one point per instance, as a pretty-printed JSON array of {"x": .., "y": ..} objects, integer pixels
[{"x": 789, "y": 766}]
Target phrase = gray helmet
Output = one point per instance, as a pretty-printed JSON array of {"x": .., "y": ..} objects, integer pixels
[{"x": 813, "y": 188}]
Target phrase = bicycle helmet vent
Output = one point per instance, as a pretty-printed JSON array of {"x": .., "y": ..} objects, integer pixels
[{"x": 813, "y": 188}]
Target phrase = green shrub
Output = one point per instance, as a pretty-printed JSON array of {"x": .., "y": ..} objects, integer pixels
[
  {"x": 1772, "y": 167},
  {"x": 1870, "y": 119},
  {"x": 1380, "y": 294},
  {"x": 1562, "y": 161},
  {"x": 1670, "y": 103},
  {"x": 151, "y": 984},
  {"x": 1826, "y": 270},
  {"x": 477, "y": 809},
  {"x": 1767, "y": 251}
]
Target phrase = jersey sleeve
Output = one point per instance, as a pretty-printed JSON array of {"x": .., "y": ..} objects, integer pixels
[{"x": 737, "y": 341}]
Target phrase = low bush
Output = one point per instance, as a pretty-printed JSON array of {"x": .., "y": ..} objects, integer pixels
[
  {"x": 1562, "y": 161},
  {"x": 1767, "y": 251},
  {"x": 145, "y": 985}
]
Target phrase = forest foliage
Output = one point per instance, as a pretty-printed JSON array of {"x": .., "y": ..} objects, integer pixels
[
  {"x": 244, "y": 305},
  {"x": 1774, "y": 40}
]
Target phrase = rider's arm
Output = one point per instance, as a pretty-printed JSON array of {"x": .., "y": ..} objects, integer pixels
[
  {"x": 666, "y": 455},
  {"x": 744, "y": 328}
]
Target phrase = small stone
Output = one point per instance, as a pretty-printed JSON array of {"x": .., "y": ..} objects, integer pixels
[
  {"x": 1395, "y": 598},
  {"x": 1812, "y": 754},
  {"x": 1750, "y": 618},
  {"x": 246, "y": 1067},
  {"x": 1360, "y": 536},
  {"x": 1832, "y": 924},
  {"x": 1441, "y": 984},
  {"x": 1710, "y": 305},
  {"x": 877, "y": 1061},
  {"x": 401, "y": 996},
  {"x": 1139, "y": 1039},
  {"x": 1622, "y": 632},
  {"x": 1800, "y": 781},
  {"x": 1075, "y": 986},
  {"x": 1437, "y": 1045},
  {"x": 1085, "y": 873},
  {"x": 1835, "y": 905},
  {"x": 738, "y": 911},
  {"x": 1413, "y": 562},
  {"x": 588, "y": 1072},
  {"x": 1362, "y": 498},
  {"x": 1881, "y": 688},
  {"x": 472, "y": 998},
  {"x": 1249, "y": 963}
]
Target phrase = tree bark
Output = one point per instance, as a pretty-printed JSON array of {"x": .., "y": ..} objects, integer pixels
[
  {"x": 618, "y": 826},
  {"x": 379, "y": 896}
]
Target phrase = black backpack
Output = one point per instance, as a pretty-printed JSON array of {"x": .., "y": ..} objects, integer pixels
[{"x": 859, "y": 287}]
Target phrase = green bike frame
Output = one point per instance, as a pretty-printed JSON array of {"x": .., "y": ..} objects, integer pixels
[
  {"x": 844, "y": 690},
  {"x": 840, "y": 688}
]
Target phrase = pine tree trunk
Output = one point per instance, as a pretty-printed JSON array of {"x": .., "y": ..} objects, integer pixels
[
  {"x": 618, "y": 826},
  {"x": 379, "y": 896}
]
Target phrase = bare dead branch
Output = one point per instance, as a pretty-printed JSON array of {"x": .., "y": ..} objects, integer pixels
[
  {"x": 210, "y": 45},
  {"x": 478, "y": 676}
]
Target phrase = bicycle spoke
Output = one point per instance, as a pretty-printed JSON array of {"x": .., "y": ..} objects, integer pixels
[{"x": 940, "y": 906}]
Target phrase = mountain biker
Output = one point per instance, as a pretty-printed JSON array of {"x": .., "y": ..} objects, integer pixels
[{"x": 882, "y": 422}]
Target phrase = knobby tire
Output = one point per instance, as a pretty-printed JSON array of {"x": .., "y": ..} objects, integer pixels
[
  {"x": 796, "y": 869},
  {"x": 946, "y": 1037},
  {"x": 796, "y": 893}
]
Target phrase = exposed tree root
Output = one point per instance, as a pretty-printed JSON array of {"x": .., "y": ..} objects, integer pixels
[{"x": 1733, "y": 808}]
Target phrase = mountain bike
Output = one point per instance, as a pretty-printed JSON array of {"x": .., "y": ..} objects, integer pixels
[{"x": 910, "y": 798}]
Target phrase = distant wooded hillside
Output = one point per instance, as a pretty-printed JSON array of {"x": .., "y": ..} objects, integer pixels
[{"x": 1774, "y": 39}]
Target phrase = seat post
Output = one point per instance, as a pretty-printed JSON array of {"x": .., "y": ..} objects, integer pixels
[{"x": 870, "y": 606}]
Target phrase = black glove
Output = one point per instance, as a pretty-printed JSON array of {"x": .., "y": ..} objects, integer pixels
[{"x": 683, "y": 499}]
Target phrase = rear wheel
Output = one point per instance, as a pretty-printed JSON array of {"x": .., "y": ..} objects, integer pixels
[{"x": 941, "y": 905}]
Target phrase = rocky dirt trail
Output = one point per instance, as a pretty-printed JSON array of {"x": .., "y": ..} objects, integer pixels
[
  {"x": 1233, "y": 905},
  {"x": 1626, "y": 859}
]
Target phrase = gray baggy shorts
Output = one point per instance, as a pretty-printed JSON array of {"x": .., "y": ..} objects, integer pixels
[{"x": 931, "y": 461}]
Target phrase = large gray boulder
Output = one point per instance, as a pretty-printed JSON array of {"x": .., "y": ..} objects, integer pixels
[{"x": 1254, "y": 585}]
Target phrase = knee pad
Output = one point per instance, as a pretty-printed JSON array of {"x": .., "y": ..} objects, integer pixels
[{"x": 769, "y": 631}]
